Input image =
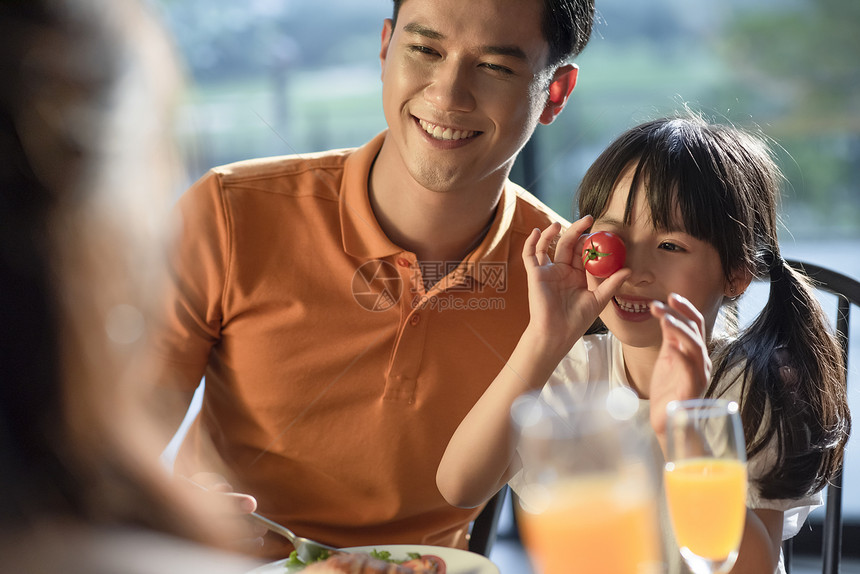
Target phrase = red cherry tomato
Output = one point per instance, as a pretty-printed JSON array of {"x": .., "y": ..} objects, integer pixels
[{"x": 603, "y": 254}]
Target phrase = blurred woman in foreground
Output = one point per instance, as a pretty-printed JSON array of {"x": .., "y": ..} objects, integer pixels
[{"x": 85, "y": 182}]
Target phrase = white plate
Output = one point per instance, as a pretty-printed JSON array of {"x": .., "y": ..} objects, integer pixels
[{"x": 457, "y": 561}]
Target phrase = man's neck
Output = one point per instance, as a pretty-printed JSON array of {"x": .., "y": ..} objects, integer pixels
[{"x": 437, "y": 226}]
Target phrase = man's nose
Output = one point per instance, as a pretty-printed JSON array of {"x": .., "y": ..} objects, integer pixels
[{"x": 450, "y": 88}]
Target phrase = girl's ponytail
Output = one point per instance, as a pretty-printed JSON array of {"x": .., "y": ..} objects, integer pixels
[{"x": 793, "y": 384}]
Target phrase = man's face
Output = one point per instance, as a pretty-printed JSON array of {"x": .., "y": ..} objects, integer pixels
[{"x": 463, "y": 87}]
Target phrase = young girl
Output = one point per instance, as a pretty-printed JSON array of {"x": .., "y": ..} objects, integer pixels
[{"x": 696, "y": 207}]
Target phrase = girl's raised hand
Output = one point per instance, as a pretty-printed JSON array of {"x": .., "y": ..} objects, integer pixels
[
  {"x": 683, "y": 368},
  {"x": 561, "y": 306}
]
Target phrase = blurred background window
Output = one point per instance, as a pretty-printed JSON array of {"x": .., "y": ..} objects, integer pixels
[{"x": 273, "y": 77}]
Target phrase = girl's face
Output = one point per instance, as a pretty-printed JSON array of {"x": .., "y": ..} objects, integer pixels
[{"x": 663, "y": 262}]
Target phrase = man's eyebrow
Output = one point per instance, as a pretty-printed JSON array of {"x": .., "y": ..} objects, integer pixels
[
  {"x": 421, "y": 30},
  {"x": 512, "y": 51}
]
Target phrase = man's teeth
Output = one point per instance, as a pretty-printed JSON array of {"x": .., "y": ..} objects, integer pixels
[
  {"x": 441, "y": 133},
  {"x": 631, "y": 306}
]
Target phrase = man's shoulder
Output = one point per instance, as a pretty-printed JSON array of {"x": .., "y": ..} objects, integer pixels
[
  {"x": 281, "y": 166},
  {"x": 531, "y": 212}
]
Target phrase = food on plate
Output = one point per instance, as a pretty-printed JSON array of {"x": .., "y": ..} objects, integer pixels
[
  {"x": 294, "y": 561},
  {"x": 426, "y": 564},
  {"x": 603, "y": 254},
  {"x": 386, "y": 555},
  {"x": 360, "y": 563}
]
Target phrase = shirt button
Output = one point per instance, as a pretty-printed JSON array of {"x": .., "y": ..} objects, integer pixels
[
  {"x": 403, "y": 262},
  {"x": 415, "y": 319}
]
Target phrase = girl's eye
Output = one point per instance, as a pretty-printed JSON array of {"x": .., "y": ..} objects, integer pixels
[{"x": 669, "y": 246}]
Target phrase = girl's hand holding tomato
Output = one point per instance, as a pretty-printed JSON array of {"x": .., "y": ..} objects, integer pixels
[{"x": 561, "y": 306}]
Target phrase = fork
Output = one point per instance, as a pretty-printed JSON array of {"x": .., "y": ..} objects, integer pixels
[{"x": 306, "y": 549}]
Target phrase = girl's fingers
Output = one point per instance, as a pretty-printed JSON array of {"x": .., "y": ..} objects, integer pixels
[
  {"x": 678, "y": 331},
  {"x": 581, "y": 225},
  {"x": 681, "y": 310},
  {"x": 546, "y": 239},
  {"x": 682, "y": 332},
  {"x": 607, "y": 288},
  {"x": 568, "y": 246},
  {"x": 688, "y": 310},
  {"x": 530, "y": 249},
  {"x": 537, "y": 245},
  {"x": 683, "y": 337}
]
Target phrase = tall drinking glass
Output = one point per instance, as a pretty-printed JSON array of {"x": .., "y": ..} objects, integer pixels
[
  {"x": 705, "y": 478},
  {"x": 587, "y": 490}
]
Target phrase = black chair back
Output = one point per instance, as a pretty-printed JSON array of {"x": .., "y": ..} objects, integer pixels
[
  {"x": 847, "y": 291},
  {"x": 485, "y": 527}
]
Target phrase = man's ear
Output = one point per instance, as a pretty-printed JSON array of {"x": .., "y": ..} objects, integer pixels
[
  {"x": 387, "y": 31},
  {"x": 563, "y": 82}
]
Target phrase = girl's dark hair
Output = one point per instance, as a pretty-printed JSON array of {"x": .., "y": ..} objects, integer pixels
[
  {"x": 721, "y": 185},
  {"x": 566, "y": 26}
]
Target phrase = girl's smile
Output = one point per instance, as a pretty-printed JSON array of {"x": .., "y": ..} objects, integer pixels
[{"x": 632, "y": 309}]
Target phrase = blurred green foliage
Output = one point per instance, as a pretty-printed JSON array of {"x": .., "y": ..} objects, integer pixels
[{"x": 798, "y": 69}]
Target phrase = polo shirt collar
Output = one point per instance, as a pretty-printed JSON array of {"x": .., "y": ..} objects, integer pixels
[
  {"x": 362, "y": 235},
  {"x": 364, "y": 238}
]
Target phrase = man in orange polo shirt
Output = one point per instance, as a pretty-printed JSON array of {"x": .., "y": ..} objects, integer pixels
[{"x": 348, "y": 308}]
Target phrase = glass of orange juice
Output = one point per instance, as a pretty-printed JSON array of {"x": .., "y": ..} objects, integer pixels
[
  {"x": 705, "y": 479},
  {"x": 586, "y": 491}
]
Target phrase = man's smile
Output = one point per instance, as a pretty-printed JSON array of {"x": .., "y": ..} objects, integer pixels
[{"x": 445, "y": 133}]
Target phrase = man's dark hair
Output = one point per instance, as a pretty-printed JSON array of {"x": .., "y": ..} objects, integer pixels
[{"x": 566, "y": 26}]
